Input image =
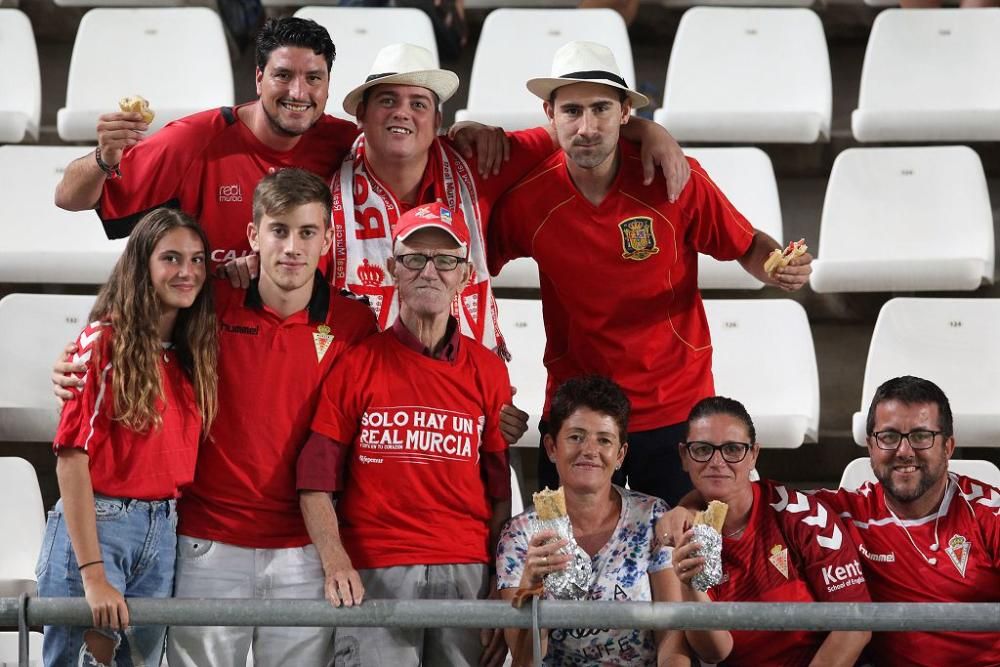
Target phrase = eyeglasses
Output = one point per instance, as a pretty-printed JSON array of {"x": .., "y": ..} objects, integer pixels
[
  {"x": 919, "y": 439},
  {"x": 417, "y": 261},
  {"x": 732, "y": 452}
]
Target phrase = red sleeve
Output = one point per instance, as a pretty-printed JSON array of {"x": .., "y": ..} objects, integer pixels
[
  {"x": 823, "y": 547},
  {"x": 154, "y": 173},
  {"x": 496, "y": 473},
  {"x": 985, "y": 501},
  {"x": 498, "y": 396},
  {"x": 84, "y": 421},
  {"x": 716, "y": 228},
  {"x": 528, "y": 149},
  {"x": 321, "y": 465},
  {"x": 338, "y": 412},
  {"x": 509, "y": 232}
]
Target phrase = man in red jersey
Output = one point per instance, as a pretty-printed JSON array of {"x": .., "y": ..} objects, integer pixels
[
  {"x": 618, "y": 263},
  {"x": 406, "y": 435},
  {"x": 209, "y": 163},
  {"x": 924, "y": 534}
]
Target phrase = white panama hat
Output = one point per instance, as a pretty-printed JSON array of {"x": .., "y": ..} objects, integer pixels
[
  {"x": 584, "y": 62},
  {"x": 408, "y": 65}
]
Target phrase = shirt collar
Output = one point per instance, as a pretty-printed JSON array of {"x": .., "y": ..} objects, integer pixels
[
  {"x": 449, "y": 351},
  {"x": 319, "y": 302}
]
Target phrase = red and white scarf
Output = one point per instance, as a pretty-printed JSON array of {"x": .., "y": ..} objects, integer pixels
[{"x": 362, "y": 248}]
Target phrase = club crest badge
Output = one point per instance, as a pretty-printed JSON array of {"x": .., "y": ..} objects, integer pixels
[
  {"x": 958, "y": 551},
  {"x": 638, "y": 240},
  {"x": 779, "y": 559},
  {"x": 322, "y": 339}
]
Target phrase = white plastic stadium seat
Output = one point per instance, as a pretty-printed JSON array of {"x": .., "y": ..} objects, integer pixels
[
  {"x": 905, "y": 219},
  {"x": 518, "y": 44},
  {"x": 522, "y": 327},
  {"x": 8, "y": 649},
  {"x": 20, "y": 78},
  {"x": 43, "y": 243},
  {"x": 175, "y": 57},
  {"x": 521, "y": 272},
  {"x": 859, "y": 471},
  {"x": 748, "y": 75},
  {"x": 746, "y": 177},
  {"x": 34, "y": 328},
  {"x": 679, "y": 4},
  {"x": 931, "y": 75},
  {"x": 22, "y": 523},
  {"x": 359, "y": 33},
  {"x": 763, "y": 356},
  {"x": 516, "y": 502},
  {"x": 951, "y": 342}
]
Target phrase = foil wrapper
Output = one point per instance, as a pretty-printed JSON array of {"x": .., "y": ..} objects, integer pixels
[
  {"x": 573, "y": 583},
  {"x": 711, "y": 551}
]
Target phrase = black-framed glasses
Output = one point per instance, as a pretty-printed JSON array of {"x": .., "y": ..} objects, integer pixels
[
  {"x": 416, "y": 261},
  {"x": 921, "y": 438},
  {"x": 732, "y": 452}
]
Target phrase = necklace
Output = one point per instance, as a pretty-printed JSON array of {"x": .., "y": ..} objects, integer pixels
[
  {"x": 931, "y": 560},
  {"x": 736, "y": 532}
]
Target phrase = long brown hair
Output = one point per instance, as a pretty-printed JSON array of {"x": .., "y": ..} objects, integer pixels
[{"x": 129, "y": 302}]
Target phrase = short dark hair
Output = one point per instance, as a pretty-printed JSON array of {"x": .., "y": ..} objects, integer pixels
[
  {"x": 293, "y": 31},
  {"x": 912, "y": 391},
  {"x": 285, "y": 189},
  {"x": 622, "y": 94},
  {"x": 721, "y": 405},
  {"x": 595, "y": 392}
]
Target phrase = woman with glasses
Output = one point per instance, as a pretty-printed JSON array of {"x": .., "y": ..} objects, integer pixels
[{"x": 778, "y": 545}]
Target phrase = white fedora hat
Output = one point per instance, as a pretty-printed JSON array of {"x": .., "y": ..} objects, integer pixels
[
  {"x": 584, "y": 62},
  {"x": 406, "y": 64}
]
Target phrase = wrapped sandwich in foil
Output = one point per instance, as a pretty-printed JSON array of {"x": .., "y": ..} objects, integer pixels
[
  {"x": 708, "y": 534},
  {"x": 573, "y": 583}
]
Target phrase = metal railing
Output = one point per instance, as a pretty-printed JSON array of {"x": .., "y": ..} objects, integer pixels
[{"x": 875, "y": 616}]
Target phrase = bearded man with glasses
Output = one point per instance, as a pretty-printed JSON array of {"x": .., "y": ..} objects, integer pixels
[
  {"x": 925, "y": 535},
  {"x": 407, "y": 437}
]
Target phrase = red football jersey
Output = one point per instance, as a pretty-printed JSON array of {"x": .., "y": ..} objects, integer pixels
[
  {"x": 208, "y": 164},
  {"x": 270, "y": 373},
  {"x": 965, "y": 567},
  {"x": 793, "y": 550},
  {"x": 619, "y": 281},
  {"x": 414, "y": 491},
  {"x": 124, "y": 463}
]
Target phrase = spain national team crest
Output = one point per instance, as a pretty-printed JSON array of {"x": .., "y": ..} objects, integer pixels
[
  {"x": 638, "y": 240},
  {"x": 779, "y": 559},
  {"x": 958, "y": 551},
  {"x": 322, "y": 338}
]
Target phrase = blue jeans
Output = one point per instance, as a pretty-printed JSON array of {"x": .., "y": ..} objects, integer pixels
[{"x": 138, "y": 541}]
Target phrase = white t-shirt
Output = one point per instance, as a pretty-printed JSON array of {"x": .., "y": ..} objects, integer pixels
[{"x": 620, "y": 570}]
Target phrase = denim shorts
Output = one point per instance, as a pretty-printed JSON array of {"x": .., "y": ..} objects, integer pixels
[{"x": 138, "y": 541}]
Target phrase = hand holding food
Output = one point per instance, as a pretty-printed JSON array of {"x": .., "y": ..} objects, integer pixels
[
  {"x": 137, "y": 104},
  {"x": 779, "y": 259},
  {"x": 708, "y": 533}
]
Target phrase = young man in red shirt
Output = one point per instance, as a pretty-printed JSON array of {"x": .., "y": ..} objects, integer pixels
[
  {"x": 618, "y": 263},
  {"x": 406, "y": 435}
]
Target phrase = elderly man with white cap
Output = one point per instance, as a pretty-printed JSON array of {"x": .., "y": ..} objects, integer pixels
[
  {"x": 618, "y": 263},
  {"x": 406, "y": 434}
]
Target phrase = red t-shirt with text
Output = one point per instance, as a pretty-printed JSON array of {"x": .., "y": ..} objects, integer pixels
[{"x": 414, "y": 492}]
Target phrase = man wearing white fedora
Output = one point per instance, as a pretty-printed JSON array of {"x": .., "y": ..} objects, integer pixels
[
  {"x": 400, "y": 162},
  {"x": 618, "y": 263}
]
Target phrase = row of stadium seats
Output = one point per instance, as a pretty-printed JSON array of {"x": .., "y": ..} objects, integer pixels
[
  {"x": 735, "y": 75},
  {"x": 763, "y": 356},
  {"x": 881, "y": 227}
]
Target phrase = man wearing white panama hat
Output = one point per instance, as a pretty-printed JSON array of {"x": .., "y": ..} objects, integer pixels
[
  {"x": 618, "y": 263},
  {"x": 399, "y": 162}
]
